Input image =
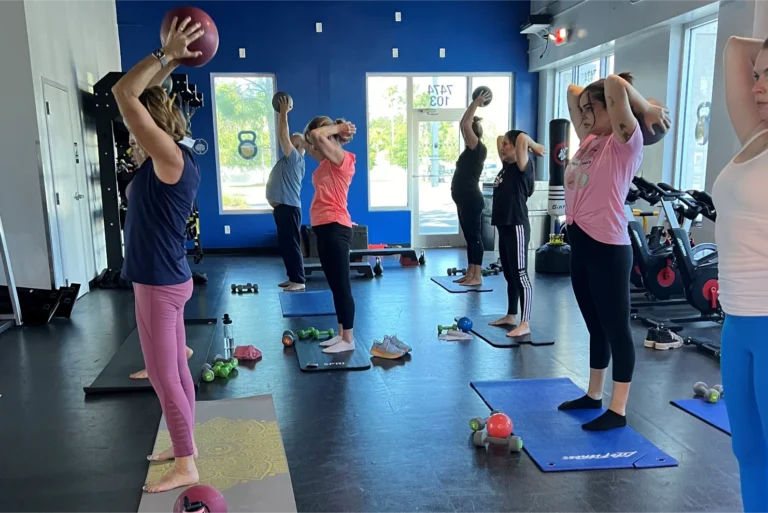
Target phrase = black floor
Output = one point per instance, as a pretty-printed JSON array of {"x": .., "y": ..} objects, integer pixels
[{"x": 393, "y": 438}]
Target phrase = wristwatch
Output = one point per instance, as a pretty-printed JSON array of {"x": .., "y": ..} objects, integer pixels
[{"x": 160, "y": 55}]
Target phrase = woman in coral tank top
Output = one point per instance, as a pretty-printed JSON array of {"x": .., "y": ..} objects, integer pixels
[{"x": 330, "y": 218}]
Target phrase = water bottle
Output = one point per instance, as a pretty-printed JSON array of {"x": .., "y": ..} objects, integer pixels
[{"x": 229, "y": 336}]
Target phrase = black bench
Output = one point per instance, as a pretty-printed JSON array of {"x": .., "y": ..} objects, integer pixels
[
  {"x": 407, "y": 255},
  {"x": 363, "y": 268}
]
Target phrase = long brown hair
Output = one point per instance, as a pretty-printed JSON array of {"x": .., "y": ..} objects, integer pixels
[
  {"x": 164, "y": 112},
  {"x": 321, "y": 121},
  {"x": 596, "y": 90}
]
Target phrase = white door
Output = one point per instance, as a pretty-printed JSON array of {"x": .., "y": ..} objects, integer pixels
[
  {"x": 70, "y": 266},
  {"x": 435, "y": 146}
]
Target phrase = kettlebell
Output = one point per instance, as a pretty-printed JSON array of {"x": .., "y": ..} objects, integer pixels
[
  {"x": 247, "y": 148},
  {"x": 702, "y": 123}
]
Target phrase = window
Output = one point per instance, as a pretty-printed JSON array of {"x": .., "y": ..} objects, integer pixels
[
  {"x": 246, "y": 146},
  {"x": 582, "y": 75},
  {"x": 695, "y": 98},
  {"x": 387, "y": 142},
  {"x": 392, "y": 102},
  {"x": 496, "y": 119},
  {"x": 439, "y": 92}
]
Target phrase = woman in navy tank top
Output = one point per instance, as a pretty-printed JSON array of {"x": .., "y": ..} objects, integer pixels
[{"x": 161, "y": 197}]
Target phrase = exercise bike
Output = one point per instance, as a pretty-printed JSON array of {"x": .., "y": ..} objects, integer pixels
[
  {"x": 654, "y": 269},
  {"x": 697, "y": 266}
]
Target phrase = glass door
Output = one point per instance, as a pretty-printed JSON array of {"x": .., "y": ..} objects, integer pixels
[{"x": 436, "y": 144}]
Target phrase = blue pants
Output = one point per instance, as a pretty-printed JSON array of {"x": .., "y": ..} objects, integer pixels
[{"x": 744, "y": 365}]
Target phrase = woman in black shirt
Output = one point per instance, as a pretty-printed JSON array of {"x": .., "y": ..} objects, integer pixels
[
  {"x": 511, "y": 190},
  {"x": 466, "y": 193}
]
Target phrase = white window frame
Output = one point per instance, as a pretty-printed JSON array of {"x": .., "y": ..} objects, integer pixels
[
  {"x": 214, "y": 76},
  {"x": 603, "y": 58},
  {"x": 677, "y": 176},
  {"x": 410, "y": 112}
]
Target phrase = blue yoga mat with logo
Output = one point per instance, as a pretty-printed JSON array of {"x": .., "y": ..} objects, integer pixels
[
  {"x": 306, "y": 304},
  {"x": 555, "y": 440},
  {"x": 713, "y": 414}
]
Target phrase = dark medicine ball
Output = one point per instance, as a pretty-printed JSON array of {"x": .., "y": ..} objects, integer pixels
[
  {"x": 276, "y": 99},
  {"x": 208, "y": 44},
  {"x": 480, "y": 90},
  {"x": 648, "y": 137}
]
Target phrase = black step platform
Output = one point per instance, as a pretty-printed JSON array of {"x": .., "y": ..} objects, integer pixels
[
  {"x": 407, "y": 255},
  {"x": 363, "y": 268}
]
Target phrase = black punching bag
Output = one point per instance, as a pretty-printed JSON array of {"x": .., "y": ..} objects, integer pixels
[{"x": 554, "y": 257}]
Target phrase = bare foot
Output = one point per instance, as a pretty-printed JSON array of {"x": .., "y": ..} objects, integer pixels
[
  {"x": 462, "y": 279},
  {"x": 174, "y": 478},
  {"x": 474, "y": 282},
  {"x": 521, "y": 330},
  {"x": 507, "y": 320},
  {"x": 142, "y": 374},
  {"x": 165, "y": 455}
]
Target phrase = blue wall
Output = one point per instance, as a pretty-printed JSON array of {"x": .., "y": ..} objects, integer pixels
[{"x": 325, "y": 74}]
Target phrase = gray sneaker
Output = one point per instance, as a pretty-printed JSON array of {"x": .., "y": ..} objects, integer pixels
[
  {"x": 386, "y": 349},
  {"x": 399, "y": 343}
]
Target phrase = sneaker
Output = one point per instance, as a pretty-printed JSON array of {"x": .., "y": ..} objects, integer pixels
[
  {"x": 668, "y": 339},
  {"x": 341, "y": 347},
  {"x": 284, "y": 284},
  {"x": 386, "y": 349},
  {"x": 399, "y": 343},
  {"x": 331, "y": 341},
  {"x": 295, "y": 287},
  {"x": 651, "y": 337}
]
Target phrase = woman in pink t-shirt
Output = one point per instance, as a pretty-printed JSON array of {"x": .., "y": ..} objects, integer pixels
[
  {"x": 330, "y": 218},
  {"x": 596, "y": 183}
]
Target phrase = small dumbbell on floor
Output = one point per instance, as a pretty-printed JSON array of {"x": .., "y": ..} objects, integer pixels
[
  {"x": 711, "y": 395},
  {"x": 452, "y": 271},
  {"x": 441, "y": 328},
  {"x": 288, "y": 338},
  {"x": 378, "y": 270},
  {"x": 329, "y": 333},
  {"x": 307, "y": 333},
  {"x": 513, "y": 443}
]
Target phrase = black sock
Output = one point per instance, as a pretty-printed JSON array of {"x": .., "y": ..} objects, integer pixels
[
  {"x": 608, "y": 420},
  {"x": 582, "y": 403}
]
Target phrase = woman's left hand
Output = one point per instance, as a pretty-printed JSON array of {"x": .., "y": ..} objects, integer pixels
[
  {"x": 657, "y": 115},
  {"x": 180, "y": 36},
  {"x": 346, "y": 130}
]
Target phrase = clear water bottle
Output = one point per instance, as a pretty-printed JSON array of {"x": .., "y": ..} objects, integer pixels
[{"x": 229, "y": 336}]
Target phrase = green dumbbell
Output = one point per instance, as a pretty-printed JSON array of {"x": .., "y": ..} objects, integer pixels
[
  {"x": 307, "y": 333},
  {"x": 441, "y": 329},
  {"x": 719, "y": 389},
  {"x": 234, "y": 362},
  {"x": 477, "y": 424},
  {"x": 222, "y": 371},
  {"x": 207, "y": 373},
  {"x": 327, "y": 333}
]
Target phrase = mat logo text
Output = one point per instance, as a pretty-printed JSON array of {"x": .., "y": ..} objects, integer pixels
[{"x": 601, "y": 456}]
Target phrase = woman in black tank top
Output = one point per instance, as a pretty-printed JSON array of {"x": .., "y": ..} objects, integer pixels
[{"x": 465, "y": 191}]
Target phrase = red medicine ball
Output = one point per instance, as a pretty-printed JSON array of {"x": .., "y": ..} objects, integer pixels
[{"x": 208, "y": 44}]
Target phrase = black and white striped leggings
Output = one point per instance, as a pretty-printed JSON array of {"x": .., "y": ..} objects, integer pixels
[{"x": 513, "y": 250}]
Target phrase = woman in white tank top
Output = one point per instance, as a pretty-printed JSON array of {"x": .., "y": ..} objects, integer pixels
[{"x": 741, "y": 233}]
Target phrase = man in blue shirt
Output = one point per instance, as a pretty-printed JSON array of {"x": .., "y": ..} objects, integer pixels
[{"x": 284, "y": 194}]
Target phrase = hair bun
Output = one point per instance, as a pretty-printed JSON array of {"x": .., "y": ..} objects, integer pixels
[{"x": 627, "y": 76}]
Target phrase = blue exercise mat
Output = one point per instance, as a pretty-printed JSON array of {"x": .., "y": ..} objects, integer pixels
[
  {"x": 713, "y": 414},
  {"x": 306, "y": 304},
  {"x": 555, "y": 440}
]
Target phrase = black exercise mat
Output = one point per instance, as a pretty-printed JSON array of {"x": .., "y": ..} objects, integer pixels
[
  {"x": 455, "y": 288},
  {"x": 128, "y": 359},
  {"x": 313, "y": 359},
  {"x": 497, "y": 335}
]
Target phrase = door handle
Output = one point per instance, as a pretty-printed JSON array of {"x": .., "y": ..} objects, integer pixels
[{"x": 79, "y": 196}]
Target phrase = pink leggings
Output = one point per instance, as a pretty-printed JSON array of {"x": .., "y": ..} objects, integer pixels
[{"x": 160, "y": 320}]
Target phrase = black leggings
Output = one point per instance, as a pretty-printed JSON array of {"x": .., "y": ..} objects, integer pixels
[
  {"x": 600, "y": 278},
  {"x": 470, "y": 212},
  {"x": 288, "y": 222},
  {"x": 333, "y": 243},
  {"x": 513, "y": 250}
]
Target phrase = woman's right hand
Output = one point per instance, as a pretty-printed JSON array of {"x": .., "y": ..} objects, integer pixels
[
  {"x": 180, "y": 36},
  {"x": 285, "y": 106},
  {"x": 346, "y": 130},
  {"x": 657, "y": 115}
]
